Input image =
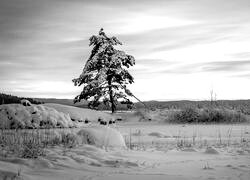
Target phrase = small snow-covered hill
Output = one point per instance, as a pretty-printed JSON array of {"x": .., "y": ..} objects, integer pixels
[
  {"x": 102, "y": 136},
  {"x": 13, "y": 116},
  {"x": 80, "y": 114}
]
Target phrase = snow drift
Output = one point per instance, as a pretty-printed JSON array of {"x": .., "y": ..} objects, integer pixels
[
  {"x": 14, "y": 116},
  {"x": 80, "y": 114},
  {"x": 102, "y": 136}
]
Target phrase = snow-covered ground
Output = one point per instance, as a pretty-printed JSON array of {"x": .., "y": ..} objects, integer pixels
[
  {"x": 134, "y": 150},
  {"x": 160, "y": 158},
  {"x": 89, "y": 162},
  {"x": 148, "y": 133}
]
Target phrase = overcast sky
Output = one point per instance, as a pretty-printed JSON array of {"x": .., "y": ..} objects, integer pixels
[{"x": 183, "y": 48}]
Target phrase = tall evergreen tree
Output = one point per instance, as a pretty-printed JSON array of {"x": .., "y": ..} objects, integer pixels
[{"x": 105, "y": 75}]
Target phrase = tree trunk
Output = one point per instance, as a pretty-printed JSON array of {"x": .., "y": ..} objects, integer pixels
[{"x": 111, "y": 97}]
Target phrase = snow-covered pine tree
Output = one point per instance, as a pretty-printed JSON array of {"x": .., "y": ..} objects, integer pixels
[{"x": 105, "y": 75}]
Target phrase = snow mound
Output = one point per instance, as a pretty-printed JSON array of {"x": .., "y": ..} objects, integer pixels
[
  {"x": 159, "y": 135},
  {"x": 102, "y": 136},
  {"x": 14, "y": 116},
  {"x": 80, "y": 114},
  {"x": 211, "y": 150},
  {"x": 95, "y": 156},
  {"x": 189, "y": 149}
]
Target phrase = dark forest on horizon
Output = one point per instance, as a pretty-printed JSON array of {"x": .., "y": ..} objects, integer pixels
[{"x": 239, "y": 105}]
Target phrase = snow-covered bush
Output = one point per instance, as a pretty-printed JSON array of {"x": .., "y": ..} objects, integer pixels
[
  {"x": 26, "y": 102},
  {"x": 207, "y": 115},
  {"x": 14, "y": 116}
]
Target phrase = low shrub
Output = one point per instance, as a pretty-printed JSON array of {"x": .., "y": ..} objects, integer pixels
[
  {"x": 207, "y": 115},
  {"x": 188, "y": 115},
  {"x": 30, "y": 149},
  {"x": 144, "y": 114},
  {"x": 69, "y": 139},
  {"x": 33, "y": 143}
]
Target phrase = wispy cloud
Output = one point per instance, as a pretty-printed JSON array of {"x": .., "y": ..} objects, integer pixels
[
  {"x": 227, "y": 66},
  {"x": 241, "y": 55}
]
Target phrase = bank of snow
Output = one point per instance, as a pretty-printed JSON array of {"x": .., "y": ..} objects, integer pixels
[
  {"x": 80, "y": 114},
  {"x": 102, "y": 136},
  {"x": 49, "y": 115},
  {"x": 14, "y": 116}
]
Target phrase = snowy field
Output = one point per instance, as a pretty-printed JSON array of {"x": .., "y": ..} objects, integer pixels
[
  {"x": 134, "y": 150},
  {"x": 156, "y": 152},
  {"x": 147, "y": 133}
]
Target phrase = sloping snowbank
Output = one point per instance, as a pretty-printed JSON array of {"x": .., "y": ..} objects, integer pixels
[
  {"x": 102, "y": 136},
  {"x": 80, "y": 114},
  {"x": 159, "y": 135},
  {"x": 14, "y": 116}
]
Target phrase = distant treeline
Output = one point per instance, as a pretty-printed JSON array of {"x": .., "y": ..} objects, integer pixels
[
  {"x": 9, "y": 99},
  {"x": 242, "y": 106},
  {"x": 239, "y": 105}
]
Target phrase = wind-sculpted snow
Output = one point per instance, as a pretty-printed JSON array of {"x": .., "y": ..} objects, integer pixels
[
  {"x": 102, "y": 136},
  {"x": 13, "y": 116},
  {"x": 193, "y": 152},
  {"x": 80, "y": 114}
]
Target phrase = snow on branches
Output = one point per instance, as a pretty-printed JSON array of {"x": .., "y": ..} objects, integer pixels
[{"x": 105, "y": 75}]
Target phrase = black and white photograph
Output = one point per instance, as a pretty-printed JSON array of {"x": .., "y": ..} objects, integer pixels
[{"x": 124, "y": 89}]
